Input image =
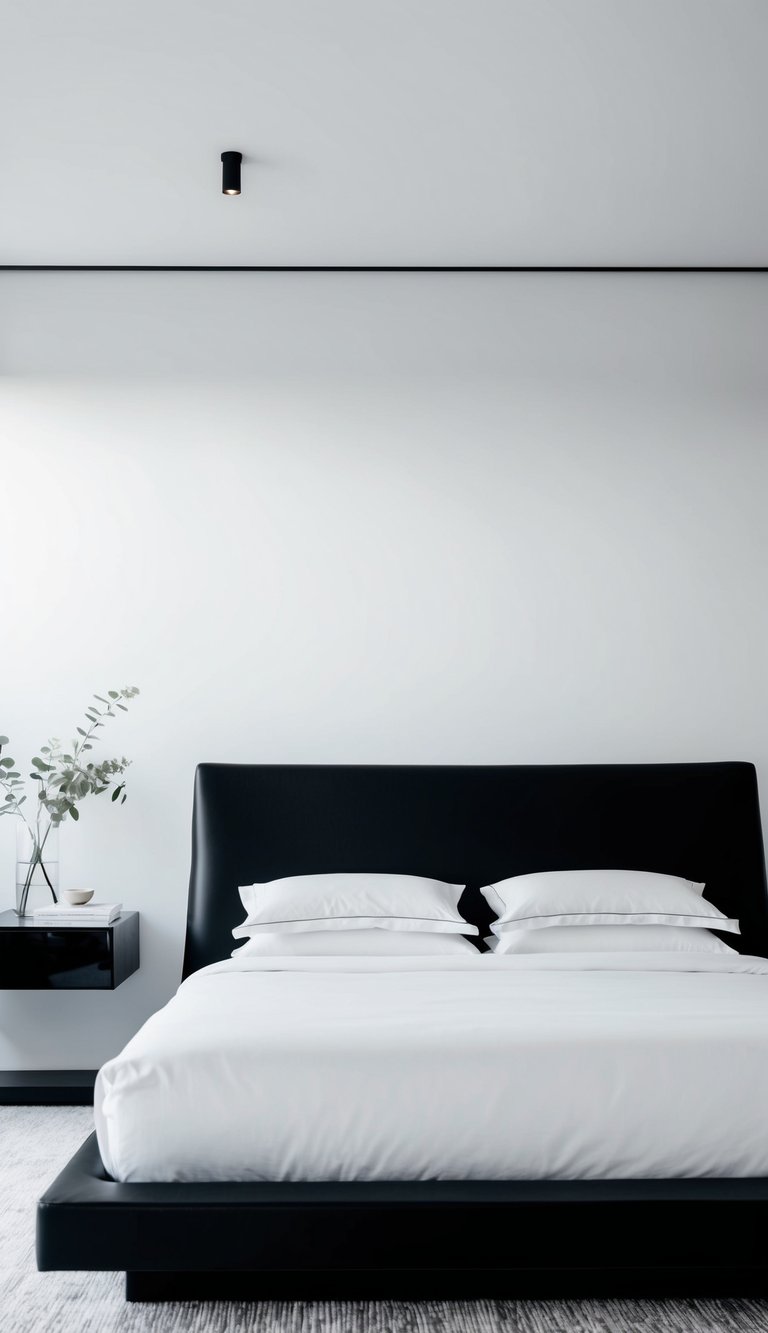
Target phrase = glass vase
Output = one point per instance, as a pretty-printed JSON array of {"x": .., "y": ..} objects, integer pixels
[{"x": 37, "y": 864}]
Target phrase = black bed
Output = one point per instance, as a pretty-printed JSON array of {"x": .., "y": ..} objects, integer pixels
[{"x": 441, "y": 1238}]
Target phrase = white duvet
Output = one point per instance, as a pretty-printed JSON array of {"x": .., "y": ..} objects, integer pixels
[{"x": 487, "y": 1068}]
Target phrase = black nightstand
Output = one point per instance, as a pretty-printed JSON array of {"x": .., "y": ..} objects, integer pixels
[
  {"x": 67, "y": 957},
  {"x": 62, "y": 958}
]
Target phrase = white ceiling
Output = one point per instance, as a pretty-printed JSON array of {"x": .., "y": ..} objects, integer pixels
[{"x": 385, "y": 131}]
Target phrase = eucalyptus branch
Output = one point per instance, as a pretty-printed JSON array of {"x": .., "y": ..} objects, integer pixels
[
  {"x": 11, "y": 784},
  {"x": 64, "y": 777}
]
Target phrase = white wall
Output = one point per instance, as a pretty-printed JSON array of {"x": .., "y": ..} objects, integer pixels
[
  {"x": 386, "y": 132},
  {"x": 367, "y": 518}
]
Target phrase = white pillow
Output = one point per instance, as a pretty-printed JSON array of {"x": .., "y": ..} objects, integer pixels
[
  {"x": 601, "y": 898},
  {"x": 349, "y": 942},
  {"x": 352, "y": 902},
  {"x": 607, "y": 939}
]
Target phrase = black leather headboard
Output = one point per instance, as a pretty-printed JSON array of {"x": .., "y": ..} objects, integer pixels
[{"x": 256, "y": 822}]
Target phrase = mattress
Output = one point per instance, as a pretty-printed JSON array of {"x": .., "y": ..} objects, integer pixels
[{"x": 488, "y": 1068}]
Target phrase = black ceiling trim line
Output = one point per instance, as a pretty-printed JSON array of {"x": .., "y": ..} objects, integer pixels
[{"x": 383, "y": 268}]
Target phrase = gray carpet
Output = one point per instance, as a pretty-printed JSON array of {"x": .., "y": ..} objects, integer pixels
[{"x": 36, "y": 1142}]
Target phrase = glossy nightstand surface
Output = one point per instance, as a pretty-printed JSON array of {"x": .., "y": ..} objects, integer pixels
[{"x": 84, "y": 957}]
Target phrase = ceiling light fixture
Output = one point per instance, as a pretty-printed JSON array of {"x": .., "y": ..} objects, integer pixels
[{"x": 230, "y": 172}]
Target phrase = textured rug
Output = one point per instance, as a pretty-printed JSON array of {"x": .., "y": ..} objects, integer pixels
[{"x": 36, "y": 1142}]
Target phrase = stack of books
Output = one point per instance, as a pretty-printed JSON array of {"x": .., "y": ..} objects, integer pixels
[{"x": 63, "y": 914}]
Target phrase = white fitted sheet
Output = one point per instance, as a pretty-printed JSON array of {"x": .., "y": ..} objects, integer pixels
[{"x": 489, "y": 1068}]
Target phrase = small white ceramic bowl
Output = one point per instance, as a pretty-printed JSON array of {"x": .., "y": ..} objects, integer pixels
[{"x": 77, "y": 897}]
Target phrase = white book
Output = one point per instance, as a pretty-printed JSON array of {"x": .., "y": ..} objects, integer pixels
[
  {"x": 64, "y": 912},
  {"x": 76, "y": 916},
  {"x": 61, "y": 906},
  {"x": 65, "y": 923}
]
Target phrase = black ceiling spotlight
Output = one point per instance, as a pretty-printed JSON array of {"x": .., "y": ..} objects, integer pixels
[{"x": 230, "y": 173}]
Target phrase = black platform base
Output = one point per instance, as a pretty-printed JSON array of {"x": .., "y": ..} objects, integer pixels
[
  {"x": 439, "y": 1240},
  {"x": 439, "y": 1285},
  {"x": 47, "y": 1087}
]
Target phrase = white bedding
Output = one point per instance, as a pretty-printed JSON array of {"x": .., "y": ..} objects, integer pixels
[{"x": 515, "y": 1067}]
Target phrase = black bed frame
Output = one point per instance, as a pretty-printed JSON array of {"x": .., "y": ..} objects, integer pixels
[{"x": 437, "y": 1238}]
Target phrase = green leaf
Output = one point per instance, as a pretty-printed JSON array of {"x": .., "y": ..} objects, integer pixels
[
  {"x": 45, "y": 749},
  {"x": 113, "y": 694},
  {"x": 80, "y": 732},
  {"x": 125, "y": 710},
  {"x": 100, "y": 699},
  {"x": 125, "y": 798},
  {"x": 4, "y": 740},
  {"x": 7, "y": 763},
  {"x": 41, "y": 766},
  {"x": 73, "y": 810}
]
